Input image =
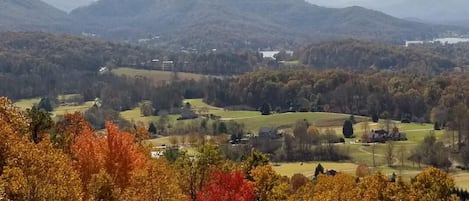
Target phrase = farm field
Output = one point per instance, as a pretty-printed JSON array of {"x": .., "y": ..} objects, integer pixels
[{"x": 156, "y": 75}]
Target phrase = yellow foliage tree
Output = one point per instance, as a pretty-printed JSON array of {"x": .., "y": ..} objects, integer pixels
[
  {"x": 339, "y": 187},
  {"x": 374, "y": 187},
  {"x": 304, "y": 193},
  {"x": 40, "y": 172},
  {"x": 102, "y": 187},
  {"x": 157, "y": 182},
  {"x": 432, "y": 184},
  {"x": 31, "y": 171},
  {"x": 269, "y": 184}
]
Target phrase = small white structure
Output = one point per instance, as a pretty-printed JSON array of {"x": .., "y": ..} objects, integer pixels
[
  {"x": 103, "y": 70},
  {"x": 271, "y": 54},
  {"x": 157, "y": 154}
]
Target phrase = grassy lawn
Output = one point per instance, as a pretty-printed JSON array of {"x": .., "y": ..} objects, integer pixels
[{"x": 156, "y": 75}]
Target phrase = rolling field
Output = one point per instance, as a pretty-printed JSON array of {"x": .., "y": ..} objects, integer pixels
[
  {"x": 156, "y": 75},
  {"x": 60, "y": 110},
  {"x": 253, "y": 120},
  {"x": 27, "y": 103},
  {"x": 307, "y": 169}
]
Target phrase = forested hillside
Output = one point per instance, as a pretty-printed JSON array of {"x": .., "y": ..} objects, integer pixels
[
  {"x": 38, "y": 64},
  {"x": 361, "y": 55}
]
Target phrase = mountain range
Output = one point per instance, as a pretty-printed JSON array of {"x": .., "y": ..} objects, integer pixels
[{"x": 209, "y": 24}]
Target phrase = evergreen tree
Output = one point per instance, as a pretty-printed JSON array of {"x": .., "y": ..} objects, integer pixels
[
  {"x": 265, "y": 109},
  {"x": 347, "y": 129},
  {"x": 40, "y": 123},
  {"x": 319, "y": 170},
  {"x": 222, "y": 128},
  {"x": 152, "y": 128},
  {"x": 375, "y": 117},
  {"x": 45, "y": 104}
]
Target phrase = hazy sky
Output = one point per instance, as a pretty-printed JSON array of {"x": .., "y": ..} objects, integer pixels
[{"x": 68, "y": 5}]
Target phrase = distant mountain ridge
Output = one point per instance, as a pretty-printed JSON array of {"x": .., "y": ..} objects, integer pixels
[
  {"x": 31, "y": 15},
  {"x": 213, "y": 24},
  {"x": 259, "y": 23}
]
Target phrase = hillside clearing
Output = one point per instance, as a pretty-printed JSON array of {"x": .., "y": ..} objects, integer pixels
[{"x": 156, "y": 75}]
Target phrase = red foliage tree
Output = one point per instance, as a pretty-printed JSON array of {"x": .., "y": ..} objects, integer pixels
[{"x": 229, "y": 186}]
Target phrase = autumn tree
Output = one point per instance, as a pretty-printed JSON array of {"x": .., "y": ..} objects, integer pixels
[
  {"x": 193, "y": 172},
  {"x": 102, "y": 187},
  {"x": 254, "y": 160},
  {"x": 156, "y": 182},
  {"x": 313, "y": 135},
  {"x": 12, "y": 124},
  {"x": 68, "y": 129},
  {"x": 122, "y": 156},
  {"x": 297, "y": 181},
  {"x": 30, "y": 171},
  {"x": 39, "y": 172},
  {"x": 374, "y": 188},
  {"x": 89, "y": 153},
  {"x": 140, "y": 133},
  {"x": 269, "y": 184},
  {"x": 432, "y": 184},
  {"x": 227, "y": 186},
  {"x": 338, "y": 187},
  {"x": 362, "y": 171},
  {"x": 115, "y": 153},
  {"x": 300, "y": 131}
]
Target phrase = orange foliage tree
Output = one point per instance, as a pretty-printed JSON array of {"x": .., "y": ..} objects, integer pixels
[
  {"x": 227, "y": 186},
  {"x": 115, "y": 153}
]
